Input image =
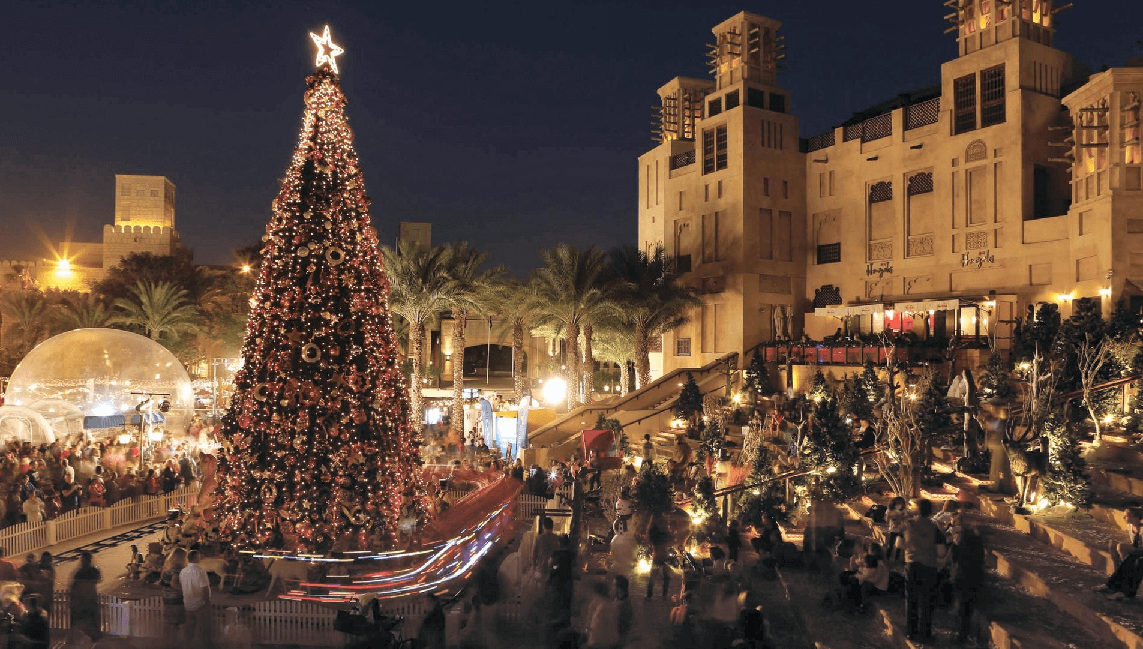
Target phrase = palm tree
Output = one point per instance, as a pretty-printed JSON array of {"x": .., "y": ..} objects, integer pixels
[
  {"x": 158, "y": 309},
  {"x": 26, "y": 320},
  {"x": 568, "y": 291},
  {"x": 513, "y": 300},
  {"x": 82, "y": 311},
  {"x": 650, "y": 298},
  {"x": 419, "y": 289},
  {"x": 615, "y": 343},
  {"x": 472, "y": 289}
]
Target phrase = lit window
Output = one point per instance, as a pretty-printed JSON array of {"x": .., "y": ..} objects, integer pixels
[
  {"x": 682, "y": 347},
  {"x": 714, "y": 155}
]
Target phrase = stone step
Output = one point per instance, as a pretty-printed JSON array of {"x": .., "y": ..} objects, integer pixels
[
  {"x": 1088, "y": 536},
  {"x": 1118, "y": 448},
  {"x": 1006, "y": 618},
  {"x": 1109, "y": 505},
  {"x": 1050, "y": 572},
  {"x": 1118, "y": 476},
  {"x": 1056, "y": 576}
]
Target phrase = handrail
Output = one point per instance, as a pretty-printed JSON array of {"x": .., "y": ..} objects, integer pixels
[{"x": 795, "y": 473}]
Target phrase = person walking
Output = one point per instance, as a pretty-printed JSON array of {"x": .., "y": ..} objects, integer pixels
[
  {"x": 34, "y": 508},
  {"x": 920, "y": 539},
  {"x": 659, "y": 538},
  {"x": 84, "y": 598},
  {"x": 968, "y": 575},
  {"x": 196, "y": 599}
]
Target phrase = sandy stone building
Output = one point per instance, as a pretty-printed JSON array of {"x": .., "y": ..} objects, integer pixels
[
  {"x": 144, "y": 221},
  {"x": 945, "y": 212}
]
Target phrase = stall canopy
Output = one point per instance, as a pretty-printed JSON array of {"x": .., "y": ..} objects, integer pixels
[
  {"x": 148, "y": 417},
  {"x": 23, "y": 424},
  {"x": 99, "y": 423}
]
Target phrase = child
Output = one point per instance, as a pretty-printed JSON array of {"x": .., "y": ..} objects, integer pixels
[
  {"x": 897, "y": 516},
  {"x": 135, "y": 567}
]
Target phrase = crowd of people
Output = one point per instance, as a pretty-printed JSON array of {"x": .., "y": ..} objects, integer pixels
[{"x": 39, "y": 483}]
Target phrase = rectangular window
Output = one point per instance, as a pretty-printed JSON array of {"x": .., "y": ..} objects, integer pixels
[
  {"x": 720, "y": 156},
  {"x": 831, "y": 183},
  {"x": 755, "y": 98},
  {"x": 992, "y": 96},
  {"x": 680, "y": 201},
  {"x": 829, "y": 253},
  {"x": 714, "y": 107},
  {"x": 154, "y": 193},
  {"x": 656, "y": 182},
  {"x": 821, "y": 185},
  {"x": 964, "y": 102},
  {"x": 718, "y": 189},
  {"x": 140, "y": 192},
  {"x": 647, "y": 186},
  {"x": 706, "y": 192},
  {"x": 708, "y": 153},
  {"x": 785, "y": 189},
  {"x": 682, "y": 346},
  {"x": 765, "y": 186},
  {"x": 777, "y": 102},
  {"x": 126, "y": 191},
  {"x": 732, "y": 100}
]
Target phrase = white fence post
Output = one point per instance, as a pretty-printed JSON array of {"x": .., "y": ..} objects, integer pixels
[{"x": 51, "y": 532}]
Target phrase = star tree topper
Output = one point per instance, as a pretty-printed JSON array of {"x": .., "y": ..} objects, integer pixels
[{"x": 327, "y": 50}]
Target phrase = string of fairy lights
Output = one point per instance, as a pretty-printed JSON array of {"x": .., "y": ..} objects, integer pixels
[{"x": 320, "y": 453}]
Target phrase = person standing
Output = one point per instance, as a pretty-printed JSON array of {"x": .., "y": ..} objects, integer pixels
[
  {"x": 196, "y": 599},
  {"x": 920, "y": 539},
  {"x": 648, "y": 450},
  {"x": 544, "y": 546},
  {"x": 85, "y": 611},
  {"x": 34, "y": 508},
  {"x": 733, "y": 541}
]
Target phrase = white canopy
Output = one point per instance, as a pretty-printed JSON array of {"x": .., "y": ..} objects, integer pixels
[{"x": 24, "y": 425}]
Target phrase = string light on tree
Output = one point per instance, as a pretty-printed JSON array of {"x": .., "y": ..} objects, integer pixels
[{"x": 319, "y": 453}]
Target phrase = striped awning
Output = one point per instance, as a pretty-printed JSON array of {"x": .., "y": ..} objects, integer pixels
[
  {"x": 848, "y": 311},
  {"x": 924, "y": 306}
]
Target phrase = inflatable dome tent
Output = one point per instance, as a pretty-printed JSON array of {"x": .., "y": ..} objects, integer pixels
[
  {"x": 102, "y": 371},
  {"x": 21, "y": 424}
]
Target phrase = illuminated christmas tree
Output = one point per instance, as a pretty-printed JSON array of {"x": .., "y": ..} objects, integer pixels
[{"x": 319, "y": 454}]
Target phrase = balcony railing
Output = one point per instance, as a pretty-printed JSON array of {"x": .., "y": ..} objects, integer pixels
[
  {"x": 855, "y": 352},
  {"x": 922, "y": 114},
  {"x": 682, "y": 160},
  {"x": 823, "y": 141}
]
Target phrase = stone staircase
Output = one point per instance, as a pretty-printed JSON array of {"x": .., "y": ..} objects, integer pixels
[
  {"x": 1043, "y": 567},
  {"x": 648, "y": 410}
]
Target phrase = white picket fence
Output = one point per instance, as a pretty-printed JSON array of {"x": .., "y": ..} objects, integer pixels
[
  {"x": 18, "y": 540},
  {"x": 272, "y": 622}
]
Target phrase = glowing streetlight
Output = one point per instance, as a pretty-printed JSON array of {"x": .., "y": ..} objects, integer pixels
[{"x": 555, "y": 390}]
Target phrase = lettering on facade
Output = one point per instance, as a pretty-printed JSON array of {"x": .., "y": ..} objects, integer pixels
[
  {"x": 878, "y": 269},
  {"x": 982, "y": 258}
]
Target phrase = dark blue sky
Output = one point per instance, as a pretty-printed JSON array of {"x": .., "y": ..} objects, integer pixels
[{"x": 515, "y": 126}]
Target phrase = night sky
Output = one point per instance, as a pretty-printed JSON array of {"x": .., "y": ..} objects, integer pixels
[{"x": 514, "y": 126}]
